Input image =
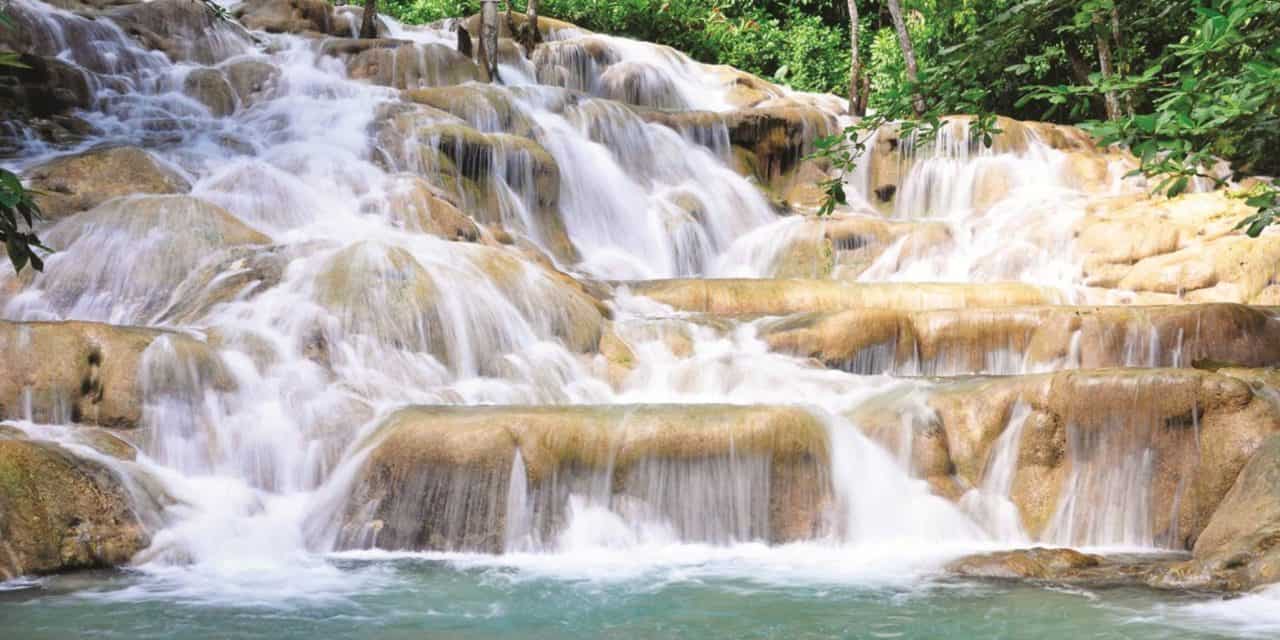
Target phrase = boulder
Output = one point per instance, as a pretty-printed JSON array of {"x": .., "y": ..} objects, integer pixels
[
  {"x": 1037, "y": 563},
  {"x": 92, "y": 374},
  {"x": 404, "y": 65},
  {"x": 1240, "y": 547},
  {"x": 111, "y": 260},
  {"x": 463, "y": 161},
  {"x": 1137, "y": 457},
  {"x": 417, "y": 206},
  {"x": 1186, "y": 247},
  {"x": 211, "y": 88},
  {"x": 442, "y": 477},
  {"x": 313, "y": 17},
  {"x": 184, "y": 30},
  {"x": 1021, "y": 339},
  {"x": 778, "y": 137},
  {"x": 781, "y": 297},
  {"x": 252, "y": 80},
  {"x": 59, "y": 512},
  {"x": 85, "y": 180}
]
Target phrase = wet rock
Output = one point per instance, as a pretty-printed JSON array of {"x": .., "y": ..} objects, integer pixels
[
  {"x": 1037, "y": 563},
  {"x": 237, "y": 273},
  {"x": 85, "y": 180},
  {"x": 1146, "y": 455},
  {"x": 184, "y": 30},
  {"x": 252, "y": 80},
  {"x": 406, "y": 65},
  {"x": 211, "y": 88},
  {"x": 348, "y": 18},
  {"x": 780, "y": 297},
  {"x": 88, "y": 373},
  {"x": 778, "y": 137},
  {"x": 290, "y": 16},
  {"x": 43, "y": 87},
  {"x": 962, "y": 341},
  {"x": 464, "y": 162},
  {"x": 59, "y": 512},
  {"x": 438, "y": 477},
  {"x": 113, "y": 259},
  {"x": 1239, "y": 549},
  {"x": 415, "y": 205}
]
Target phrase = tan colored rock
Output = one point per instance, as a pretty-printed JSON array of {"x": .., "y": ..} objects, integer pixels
[
  {"x": 288, "y": 16},
  {"x": 462, "y": 161},
  {"x": 83, "y": 181},
  {"x": 1240, "y": 547},
  {"x": 1187, "y": 247},
  {"x": 210, "y": 87},
  {"x": 439, "y": 477},
  {"x": 415, "y": 205},
  {"x": 89, "y": 373},
  {"x": 781, "y": 297},
  {"x": 780, "y": 137},
  {"x": 59, "y": 512},
  {"x": 1196, "y": 430},
  {"x": 961, "y": 341},
  {"x": 251, "y": 80},
  {"x": 1036, "y": 564},
  {"x": 404, "y": 65},
  {"x": 184, "y": 31}
]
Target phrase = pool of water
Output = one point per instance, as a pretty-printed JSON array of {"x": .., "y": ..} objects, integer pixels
[{"x": 738, "y": 595}]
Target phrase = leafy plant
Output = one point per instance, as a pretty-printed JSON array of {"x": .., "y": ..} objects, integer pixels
[{"x": 16, "y": 205}]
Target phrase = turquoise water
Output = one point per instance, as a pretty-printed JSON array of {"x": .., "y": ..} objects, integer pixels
[{"x": 462, "y": 597}]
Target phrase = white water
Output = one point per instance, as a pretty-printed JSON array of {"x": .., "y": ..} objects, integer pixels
[{"x": 364, "y": 317}]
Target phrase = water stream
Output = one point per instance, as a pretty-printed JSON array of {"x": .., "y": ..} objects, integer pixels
[{"x": 329, "y": 312}]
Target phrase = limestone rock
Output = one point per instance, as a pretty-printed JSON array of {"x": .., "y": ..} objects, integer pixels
[
  {"x": 1240, "y": 547},
  {"x": 59, "y": 512},
  {"x": 1082, "y": 429},
  {"x": 85, "y": 180},
  {"x": 405, "y": 65},
  {"x": 89, "y": 373},
  {"x": 183, "y": 30},
  {"x": 289, "y": 16},
  {"x": 415, "y": 205},
  {"x": 1186, "y": 247},
  {"x": 1036, "y": 563},
  {"x": 961, "y": 341},
  {"x": 780, "y": 297},
  {"x": 438, "y": 477},
  {"x": 211, "y": 88},
  {"x": 251, "y": 79}
]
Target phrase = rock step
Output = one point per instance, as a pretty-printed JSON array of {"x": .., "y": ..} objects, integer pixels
[
  {"x": 1007, "y": 340},
  {"x": 477, "y": 478},
  {"x": 772, "y": 297},
  {"x": 1091, "y": 457},
  {"x": 96, "y": 374}
]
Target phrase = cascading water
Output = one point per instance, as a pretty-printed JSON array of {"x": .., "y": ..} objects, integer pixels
[{"x": 299, "y": 257}]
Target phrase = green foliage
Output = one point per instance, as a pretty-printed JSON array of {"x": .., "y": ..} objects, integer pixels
[
  {"x": 16, "y": 205},
  {"x": 803, "y": 43},
  {"x": 1213, "y": 95}
]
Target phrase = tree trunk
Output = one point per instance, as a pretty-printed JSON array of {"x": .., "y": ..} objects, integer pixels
[
  {"x": 489, "y": 39},
  {"x": 535, "y": 34},
  {"x": 856, "y": 107},
  {"x": 1104, "y": 61},
  {"x": 908, "y": 55},
  {"x": 1116, "y": 35},
  {"x": 369, "y": 22}
]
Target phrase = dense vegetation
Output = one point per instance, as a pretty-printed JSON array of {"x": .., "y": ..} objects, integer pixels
[{"x": 1183, "y": 83}]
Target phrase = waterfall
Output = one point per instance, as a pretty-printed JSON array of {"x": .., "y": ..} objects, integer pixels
[{"x": 349, "y": 253}]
